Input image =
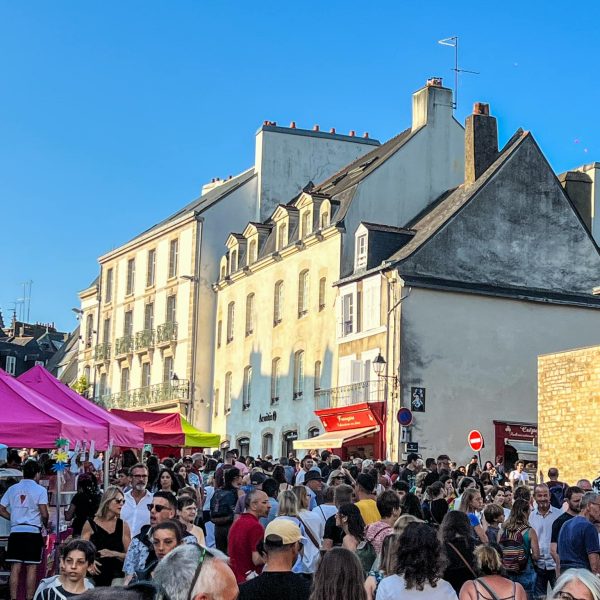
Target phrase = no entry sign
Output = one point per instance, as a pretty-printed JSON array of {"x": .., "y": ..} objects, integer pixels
[{"x": 475, "y": 440}]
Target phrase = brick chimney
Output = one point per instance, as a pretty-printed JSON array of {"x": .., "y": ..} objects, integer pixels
[{"x": 481, "y": 141}]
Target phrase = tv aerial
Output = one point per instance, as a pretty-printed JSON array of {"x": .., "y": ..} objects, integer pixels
[{"x": 453, "y": 42}]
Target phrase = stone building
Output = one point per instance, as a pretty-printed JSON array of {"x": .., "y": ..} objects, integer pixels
[
  {"x": 147, "y": 321},
  {"x": 277, "y": 321},
  {"x": 569, "y": 412},
  {"x": 492, "y": 274}
]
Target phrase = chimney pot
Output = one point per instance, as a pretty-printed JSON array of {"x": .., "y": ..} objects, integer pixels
[
  {"x": 332, "y": 130},
  {"x": 366, "y": 136},
  {"x": 481, "y": 108},
  {"x": 293, "y": 125},
  {"x": 434, "y": 82},
  {"x": 265, "y": 123},
  {"x": 352, "y": 133},
  {"x": 316, "y": 128}
]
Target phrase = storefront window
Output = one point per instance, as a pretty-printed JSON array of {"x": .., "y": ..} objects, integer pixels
[
  {"x": 267, "y": 445},
  {"x": 244, "y": 446},
  {"x": 288, "y": 443}
]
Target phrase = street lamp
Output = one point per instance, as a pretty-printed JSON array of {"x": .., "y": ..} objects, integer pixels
[{"x": 379, "y": 365}]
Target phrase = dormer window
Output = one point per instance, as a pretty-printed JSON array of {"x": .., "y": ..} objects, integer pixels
[
  {"x": 306, "y": 224},
  {"x": 324, "y": 220},
  {"x": 281, "y": 236},
  {"x": 223, "y": 272},
  {"x": 233, "y": 263},
  {"x": 361, "y": 251},
  {"x": 252, "y": 252}
]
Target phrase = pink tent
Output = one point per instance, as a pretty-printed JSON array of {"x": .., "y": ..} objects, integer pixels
[
  {"x": 120, "y": 431},
  {"x": 30, "y": 419}
]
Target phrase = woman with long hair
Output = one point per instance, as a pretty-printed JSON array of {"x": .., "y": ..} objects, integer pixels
[
  {"x": 153, "y": 467},
  {"x": 411, "y": 505},
  {"x": 458, "y": 540},
  {"x": 491, "y": 582},
  {"x": 418, "y": 569},
  {"x": 309, "y": 519},
  {"x": 471, "y": 503},
  {"x": 339, "y": 575},
  {"x": 181, "y": 474},
  {"x": 166, "y": 482},
  {"x": 449, "y": 491},
  {"x": 350, "y": 520},
  {"x": 386, "y": 566},
  {"x": 435, "y": 506},
  {"x": 279, "y": 476},
  {"x": 519, "y": 541},
  {"x": 111, "y": 536}
]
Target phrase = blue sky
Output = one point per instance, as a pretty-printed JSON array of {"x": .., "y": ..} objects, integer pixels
[{"x": 113, "y": 114}]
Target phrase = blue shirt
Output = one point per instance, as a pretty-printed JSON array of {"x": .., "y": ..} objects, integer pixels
[
  {"x": 577, "y": 539},
  {"x": 264, "y": 521}
]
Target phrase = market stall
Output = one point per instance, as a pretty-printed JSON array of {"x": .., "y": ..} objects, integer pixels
[{"x": 169, "y": 429}]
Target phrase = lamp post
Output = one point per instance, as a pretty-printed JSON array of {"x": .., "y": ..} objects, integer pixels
[{"x": 380, "y": 367}]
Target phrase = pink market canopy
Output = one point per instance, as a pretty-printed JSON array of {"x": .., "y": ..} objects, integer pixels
[
  {"x": 29, "y": 419},
  {"x": 118, "y": 431}
]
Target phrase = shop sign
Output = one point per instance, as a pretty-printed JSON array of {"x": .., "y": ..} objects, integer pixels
[
  {"x": 291, "y": 435},
  {"x": 344, "y": 420},
  {"x": 525, "y": 432},
  {"x": 268, "y": 416},
  {"x": 417, "y": 399}
]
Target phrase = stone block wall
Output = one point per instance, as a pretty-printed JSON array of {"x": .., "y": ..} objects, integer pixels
[{"x": 569, "y": 413}]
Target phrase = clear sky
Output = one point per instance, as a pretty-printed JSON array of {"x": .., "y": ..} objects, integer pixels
[{"x": 113, "y": 114}]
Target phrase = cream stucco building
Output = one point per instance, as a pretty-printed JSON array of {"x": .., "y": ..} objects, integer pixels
[{"x": 148, "y": 321}]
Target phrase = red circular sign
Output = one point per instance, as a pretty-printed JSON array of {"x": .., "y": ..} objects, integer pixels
[{"x": 475, "y": 440}]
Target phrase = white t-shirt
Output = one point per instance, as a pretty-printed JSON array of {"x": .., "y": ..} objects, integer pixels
[
  {"x": 324, "y": 511},
  {"x": 515, "y": 477},
  {"x": 22, "y": 501},
  {"x": 136, "y": 515},
  {"x": 394, "y": 588}
]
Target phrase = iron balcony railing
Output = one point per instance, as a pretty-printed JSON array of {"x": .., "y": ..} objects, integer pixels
[
  {"x": 152, "y": 395},
  {"x": 347, "y": 395},
  {"x": 124, "y": 345},
  {"x": 144, "y": 339},
  {"x": 102, "y": 351},
  {"x": 167, "y": 332}
]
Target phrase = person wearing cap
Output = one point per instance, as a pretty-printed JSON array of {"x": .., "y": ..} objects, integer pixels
[
  {"x": 280, "y": 548},
  {"x": 257, "y": 478},
  {"x": 244, "y": 535},
  {"x": 365, "y": 492},
  {"x": 313, "y": 482}
]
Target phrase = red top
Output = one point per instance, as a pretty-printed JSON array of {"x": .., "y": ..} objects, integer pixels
[{"x": 244, "y": 535}]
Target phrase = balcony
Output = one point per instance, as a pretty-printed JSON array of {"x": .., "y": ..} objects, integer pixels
[
  {"x": 102, "y": 352},
  {"x": 166, "y": 333},
  {"x": 347, "y": 395},
  {"x": 124, "y": 345},
  {"x": 144, "y": 339},
  {"x": 152, "y": 396}
]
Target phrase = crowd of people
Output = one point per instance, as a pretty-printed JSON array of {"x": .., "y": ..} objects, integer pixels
[{"x": 222, "y": 527}]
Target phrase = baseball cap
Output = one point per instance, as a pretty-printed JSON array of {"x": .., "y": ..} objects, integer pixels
[
  {"x": 282, "y": 531},
  {"x": 257, "y": 478},
  {"x": 312, "y": 476}
]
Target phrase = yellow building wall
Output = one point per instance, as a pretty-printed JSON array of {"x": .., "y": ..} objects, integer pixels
[{"x": 569, "y": 413}]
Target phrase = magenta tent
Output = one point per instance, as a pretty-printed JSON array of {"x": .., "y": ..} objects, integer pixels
[
  {"x": 119, "y": 431},
  {"x": 28, "y": 418}
]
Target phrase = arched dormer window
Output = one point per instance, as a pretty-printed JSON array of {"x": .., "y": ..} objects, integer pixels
[
  {"x": 233, "y": 263},
  {"x": 252, "y": 254}
]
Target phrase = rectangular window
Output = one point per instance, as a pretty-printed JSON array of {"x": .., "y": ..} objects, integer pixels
[
  {"x": 216, "y": 402},
  {"x": 167, "y": 369},
  {"x": 281, "y": 236},
  {"x": 106, "y": 330},
  {"x": 130, "y": 276},
  {"x": 298, "y": 375},
  {"x": 371, "y": 305},
  {"x": 89, "y": 330},
  {"x": 249, "y": 314},
  {"x": 230, "y": 319},
  {"x": 173, "y": 257},
  {"x": 347, "y": 314},
  {"x": 227, "y": 399},
  {"x": 125, "y": 379},
  {"x": 149, "y": 316},
  {"x": 302, "y": 294},
  {"x": 171, "y": 315},
  {"x": 219, "y": 332},
  {"x": 317, "y": 385},
  {"x": 324, "y": 220},
  {"x": 145, "y": 374},
  {"x": 322, "y": 288},
  {"x": 11, "y": 365},
  {"x": 275, "y": 381},
  {"x": 128, "y": 324},
  {"x": 102, "y": 389},
  {"x": 108, "y": 292},
  {"x": 306, "y": 223},
  {"x": 39, "y": 363},
  {"x": 151, "y": 268},
  {"x": 278, "y": 303},
  {"x": 361, "y": 251},
  {"x": 247, "y": 393}
]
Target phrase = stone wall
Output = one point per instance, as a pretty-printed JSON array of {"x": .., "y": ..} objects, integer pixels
[{"x": 568, "y": 415}]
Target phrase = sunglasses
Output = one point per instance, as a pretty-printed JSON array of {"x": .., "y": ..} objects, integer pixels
[
  {"x": 157, "y": 507},
  {"x": 119, "y": 500}
]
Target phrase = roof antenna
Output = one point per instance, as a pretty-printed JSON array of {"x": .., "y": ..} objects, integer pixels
[{"x": 453, "y": 42}]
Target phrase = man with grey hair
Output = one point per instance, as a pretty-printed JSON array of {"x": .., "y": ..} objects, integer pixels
[
  {"x": 194, "y": 572},
  {"x": 578, "y": 546}
]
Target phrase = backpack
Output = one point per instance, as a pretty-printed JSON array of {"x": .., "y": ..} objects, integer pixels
[
  {"x": 557, "y": 495},
  {"x": 222, "y": 506},
  {"x": 514, "y": 551},
  {"x": 366, "y": 554}
]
